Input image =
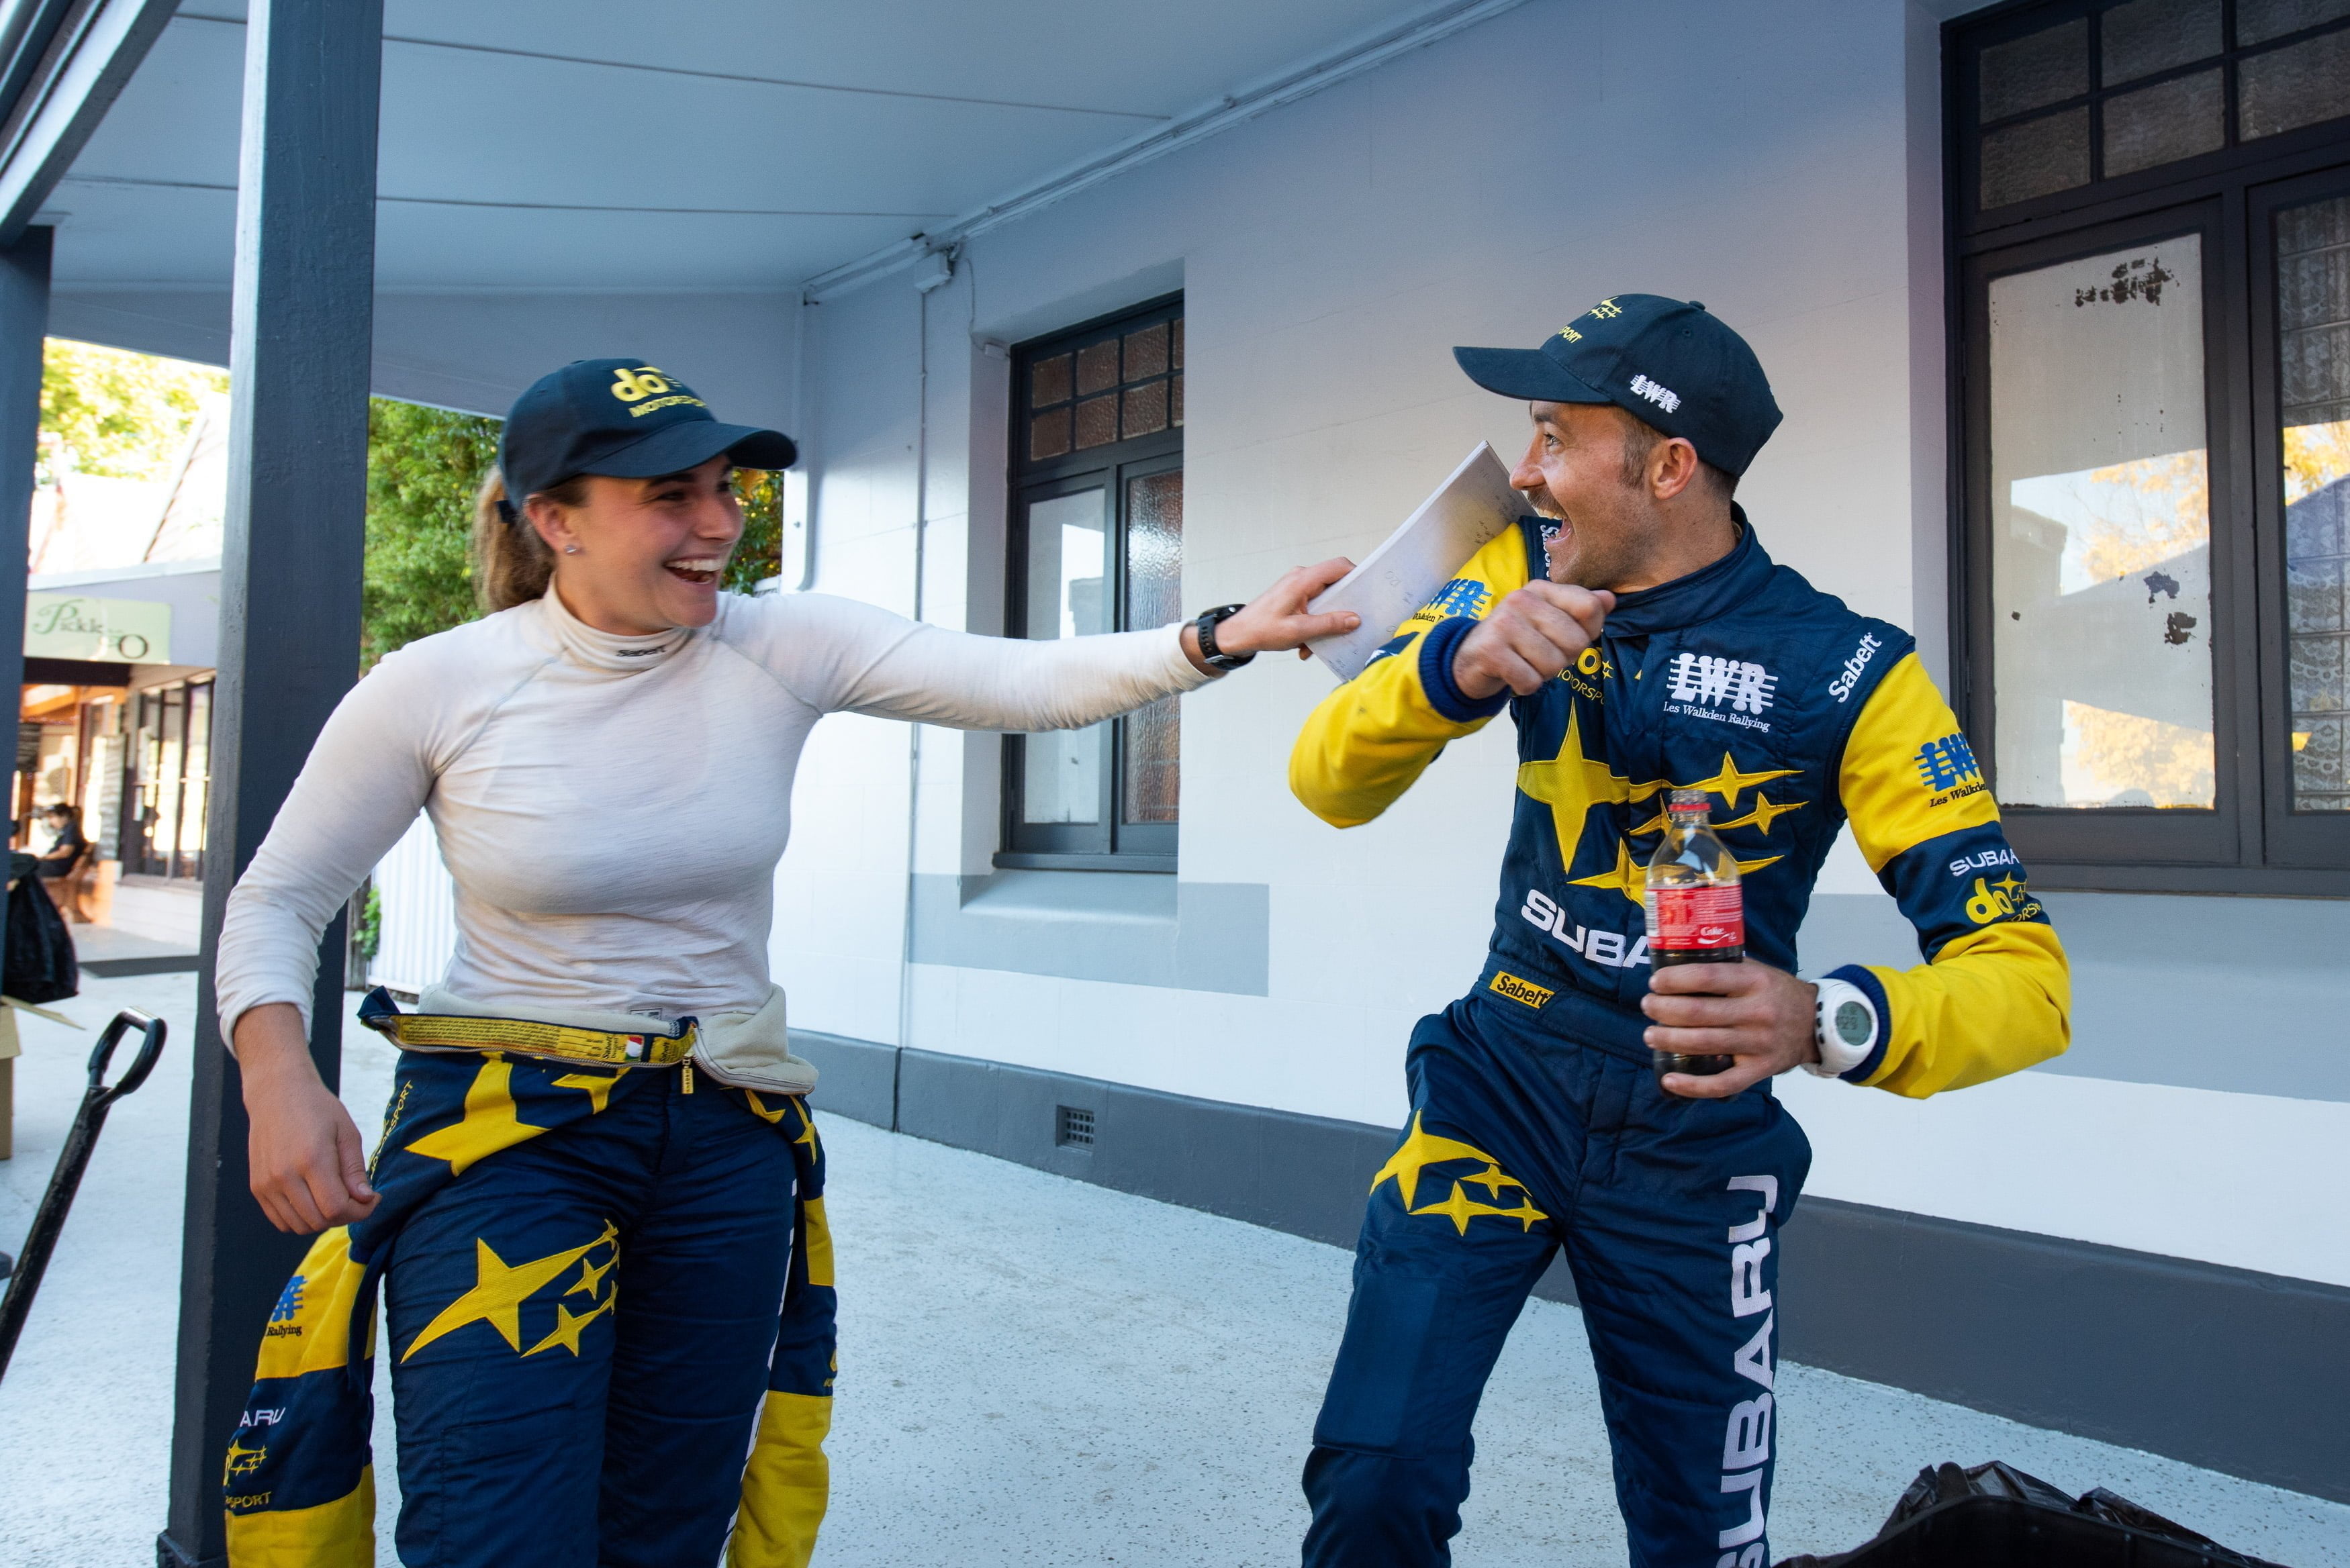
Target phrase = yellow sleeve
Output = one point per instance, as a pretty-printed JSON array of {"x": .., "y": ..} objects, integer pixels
[
  {"x": 1373, "y": 736},
  {"x": 1995, "y": 993}
]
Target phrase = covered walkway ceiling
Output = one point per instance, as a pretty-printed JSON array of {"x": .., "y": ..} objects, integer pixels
[{"x": 692, "y": 145}]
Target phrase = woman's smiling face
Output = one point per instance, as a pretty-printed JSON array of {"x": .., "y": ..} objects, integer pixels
[{"x": 642, "y": 556}]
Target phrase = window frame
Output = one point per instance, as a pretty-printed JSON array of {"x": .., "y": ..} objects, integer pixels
[
  {"x": 2250, "y": 842},
  {"x": 1109, "y": 843}
]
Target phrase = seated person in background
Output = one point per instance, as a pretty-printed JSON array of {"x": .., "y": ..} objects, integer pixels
[{"x": 60, "y": 857}]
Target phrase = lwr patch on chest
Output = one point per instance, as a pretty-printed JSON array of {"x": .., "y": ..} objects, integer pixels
[{"x": 1725, "y": 688}]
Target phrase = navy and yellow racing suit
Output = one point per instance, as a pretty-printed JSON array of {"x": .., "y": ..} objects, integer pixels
[{"x": 1535, "y": 1123}]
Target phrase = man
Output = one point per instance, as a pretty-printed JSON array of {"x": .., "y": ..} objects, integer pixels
[{"x": 1643, "y": 642}]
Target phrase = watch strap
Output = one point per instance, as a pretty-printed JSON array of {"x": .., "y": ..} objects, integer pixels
[{"x": 1216, "y": 657}]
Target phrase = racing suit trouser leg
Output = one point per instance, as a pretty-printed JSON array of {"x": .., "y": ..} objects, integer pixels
[
  {"x": 517, "y": 1365},
  {"x": 701, "y": 1280},
  {"x": 1674, "y": 1244},
  {"x": 1452, "y": 1245}
]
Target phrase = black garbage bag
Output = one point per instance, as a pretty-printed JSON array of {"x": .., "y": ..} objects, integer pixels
[
  {"x": 39, "y": 964},
  {"x": 1997, "y": 1514}
]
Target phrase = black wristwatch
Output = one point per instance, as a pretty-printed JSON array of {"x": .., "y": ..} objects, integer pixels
[{"x": 1206, "y": 627}]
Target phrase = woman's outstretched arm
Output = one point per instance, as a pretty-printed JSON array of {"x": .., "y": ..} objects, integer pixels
[{"x": 843, "y": 655}]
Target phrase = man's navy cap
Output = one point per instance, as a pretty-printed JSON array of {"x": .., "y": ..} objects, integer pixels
[
  {"x": 1665, "y": 361},
  {"x": 623, "y": 418}
]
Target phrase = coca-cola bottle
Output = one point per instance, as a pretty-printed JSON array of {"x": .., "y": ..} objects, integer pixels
[{"x": 1696, "y": 912}]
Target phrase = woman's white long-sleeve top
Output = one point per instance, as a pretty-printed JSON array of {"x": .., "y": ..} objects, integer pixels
[{"x": 611, "y": 808}]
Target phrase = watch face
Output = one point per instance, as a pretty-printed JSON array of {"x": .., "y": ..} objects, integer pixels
[{"x": 1852, "y": 1023}]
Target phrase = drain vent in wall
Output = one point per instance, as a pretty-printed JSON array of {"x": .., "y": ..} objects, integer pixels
[{"x": 1075, "y": 1127}]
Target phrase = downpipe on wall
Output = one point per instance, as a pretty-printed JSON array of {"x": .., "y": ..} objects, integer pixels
[{"x": 936, "y": 271}]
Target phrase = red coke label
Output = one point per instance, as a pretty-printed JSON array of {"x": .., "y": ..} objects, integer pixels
[{"x": 1695, "y": 918}]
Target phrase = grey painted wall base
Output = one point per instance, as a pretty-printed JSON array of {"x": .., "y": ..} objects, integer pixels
[
  {"x": 2241, "y": 1372},
  {"x": 1135, "y": 929},
  {"x": 2158, "y": 996}
]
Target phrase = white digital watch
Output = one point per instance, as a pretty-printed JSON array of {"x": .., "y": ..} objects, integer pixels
[{"x": 1845, "y": 1027}]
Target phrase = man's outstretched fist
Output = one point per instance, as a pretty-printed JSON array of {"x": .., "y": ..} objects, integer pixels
[{"x": 1532, "y": 635}]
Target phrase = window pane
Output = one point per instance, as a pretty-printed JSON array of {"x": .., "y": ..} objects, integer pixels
[
  {"x": 1048, "y": 434},
  {"x": 1098, "y": 367},
  {"x": 2164, "y": 123},
  {"x": 200, "y": 761},
  {"x": 2035, "y": 157},
  {"x": 2296, "y": 85},
  {"x": 1069, "y": 569},
  {"x": 170, "y": 767},
  {"x": 1154, "y": 597},
  {"x": 2314, "y": 359},
  {"x": 2257, "y": 21},
  {"x": 1146, "y": 352},
  {"x": 1097, "y": 421},
  {"x": 2039, "y": 68},
  {"x": 2149, "y": 36},
  {"x": 1175, "y": 401},
  {"x": 1048, "y": 382},
  {"x": 1145, "y": 409},
  {"x": 2100, "y": 531}
]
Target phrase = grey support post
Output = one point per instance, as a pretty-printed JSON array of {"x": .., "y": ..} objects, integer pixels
[
  {"x": 24, "y": 326},
  {"x": 301, "y": 336}
]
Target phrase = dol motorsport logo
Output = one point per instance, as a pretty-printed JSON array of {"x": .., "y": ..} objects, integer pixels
[{"x": 648, "y": 388}]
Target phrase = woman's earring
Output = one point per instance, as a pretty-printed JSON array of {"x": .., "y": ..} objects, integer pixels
[{"x": 570, "y": 549}]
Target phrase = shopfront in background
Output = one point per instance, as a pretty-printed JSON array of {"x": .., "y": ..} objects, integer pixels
[{"x": 111, "y": 726}]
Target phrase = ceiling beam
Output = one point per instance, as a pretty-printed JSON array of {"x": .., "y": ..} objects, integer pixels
[
  {"x": 83, "y": 65},
  {"x": 722, "y": 75},
  {"x": 1212, "y": 118}
]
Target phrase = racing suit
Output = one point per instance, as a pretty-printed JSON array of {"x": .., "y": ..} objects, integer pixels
[{"x": 1535, "y": 1123}]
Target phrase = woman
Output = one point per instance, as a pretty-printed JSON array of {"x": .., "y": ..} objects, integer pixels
[{"x": 584, "y": 1206}]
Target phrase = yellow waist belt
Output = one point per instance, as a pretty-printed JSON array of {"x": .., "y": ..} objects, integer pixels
[{"x": 527, "y": 1036}]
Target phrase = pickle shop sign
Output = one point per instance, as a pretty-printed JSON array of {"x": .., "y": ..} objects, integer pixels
[{"x": 113, "y": 631}]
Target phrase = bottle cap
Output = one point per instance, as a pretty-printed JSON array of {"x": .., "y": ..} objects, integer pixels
[{"x": 1689, "y": 802}]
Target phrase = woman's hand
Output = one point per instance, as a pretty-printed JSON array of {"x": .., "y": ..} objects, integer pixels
[
  {"x": 308, "y": 1165},
  {"x": 1276, "y": 618}
]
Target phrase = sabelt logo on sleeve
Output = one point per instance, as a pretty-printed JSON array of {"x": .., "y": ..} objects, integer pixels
[
  {"x": 1525, "y": 991},
  {"x": 1841, "y": 687}
]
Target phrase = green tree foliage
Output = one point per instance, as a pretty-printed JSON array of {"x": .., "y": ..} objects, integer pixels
[
  {"x": 424, "y": 466},
  {"x": 760, "y": 555},
  {"x": 115, "y": 414}
]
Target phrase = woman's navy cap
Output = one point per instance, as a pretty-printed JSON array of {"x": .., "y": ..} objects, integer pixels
[
  {"x": 1665, "y": 361},
  {"x": 623, "y": 418}
]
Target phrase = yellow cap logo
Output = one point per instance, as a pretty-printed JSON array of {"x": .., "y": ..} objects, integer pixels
[{"x": 635, "y": 385}]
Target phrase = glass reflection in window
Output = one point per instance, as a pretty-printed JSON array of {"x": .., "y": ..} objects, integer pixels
[{"x": 2100, "y": 531}]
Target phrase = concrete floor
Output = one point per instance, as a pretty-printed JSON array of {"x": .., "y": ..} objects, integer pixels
[{"x": 1032, "y": 1371}]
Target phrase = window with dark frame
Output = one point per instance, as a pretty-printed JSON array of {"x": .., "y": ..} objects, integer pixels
[
  {"x": 2149, "y": 230},
  {"x": 1097, "y": 544},
  {"x": 167, "y": 777}
]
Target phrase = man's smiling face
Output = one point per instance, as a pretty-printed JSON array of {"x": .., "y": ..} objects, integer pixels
[{"x": 1574, "y": 472}]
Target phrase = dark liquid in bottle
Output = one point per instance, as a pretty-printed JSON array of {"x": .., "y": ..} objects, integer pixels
[{"x": 1664, "y": 1062}]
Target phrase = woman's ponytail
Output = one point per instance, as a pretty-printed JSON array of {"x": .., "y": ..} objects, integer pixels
[{"x": 512, "y": 564}]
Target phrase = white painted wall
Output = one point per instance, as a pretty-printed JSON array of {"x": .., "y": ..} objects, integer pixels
[{"x": 1779, "y": 162}]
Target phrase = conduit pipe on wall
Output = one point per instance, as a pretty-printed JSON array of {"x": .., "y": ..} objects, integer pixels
[
  {"x": 804, "y": 429},
  {"x": 934, "y": 275}
]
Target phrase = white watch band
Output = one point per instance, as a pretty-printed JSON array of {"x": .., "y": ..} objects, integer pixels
[{"x": 1845, "y": 1027}]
